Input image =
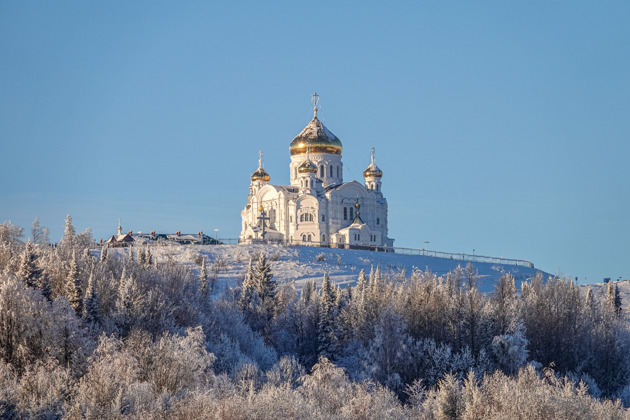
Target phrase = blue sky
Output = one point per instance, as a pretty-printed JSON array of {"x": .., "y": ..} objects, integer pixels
[{"x": 500, "y": 126}]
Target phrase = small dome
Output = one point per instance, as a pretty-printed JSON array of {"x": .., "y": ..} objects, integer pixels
[
  {"x": 260, "y": 175},
  {"x": 307, "y": 167},
  {"x": 372, "y": 171},
  {"x": 318, "y": 137}
]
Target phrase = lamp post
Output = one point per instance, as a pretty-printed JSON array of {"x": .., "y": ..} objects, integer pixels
[
  {"x": 426, "y": 244},
  {"x": 216, "y": 236},
  {"x": 473, "y": 254}
]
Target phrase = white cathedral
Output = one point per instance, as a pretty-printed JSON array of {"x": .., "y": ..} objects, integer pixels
[{"x": 318, "y": 208}]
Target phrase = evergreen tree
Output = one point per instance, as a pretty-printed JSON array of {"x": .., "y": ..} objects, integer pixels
[
  {"x": 69, "y": 233},
  {"x": 73, "y": 287},
  {"x": 247, "y": 288},
  {"x": 326, "y": 335},
  {"x": 203, "y": 279},
  {"x": 148, "y": 259},
  {"x": 29, "y": 271},
  {"x": 104, "y": 256},
  {"x": 617, "y": 301},
  {"x": 265, "y": 285},
  {"x": 90, "y": 303}
]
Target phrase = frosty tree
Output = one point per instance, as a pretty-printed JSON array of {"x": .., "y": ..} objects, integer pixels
[{"x": 73, "y": 287}]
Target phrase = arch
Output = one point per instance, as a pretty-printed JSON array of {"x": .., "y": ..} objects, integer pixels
[{"x": 323, "y": 238}]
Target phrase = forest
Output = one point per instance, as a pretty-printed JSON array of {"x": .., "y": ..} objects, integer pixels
[{"x": 96, "y": 333}]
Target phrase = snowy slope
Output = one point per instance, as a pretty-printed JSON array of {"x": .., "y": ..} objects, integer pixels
[
  {"x": 299, "y": 264},
  {"x": 600, "y": 289}
]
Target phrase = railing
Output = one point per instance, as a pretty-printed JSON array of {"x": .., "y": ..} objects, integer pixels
[
  {"x": 406, "y": 251},
  {"x": 464, "y": 257},
  {"x": 402, "y": 251}
]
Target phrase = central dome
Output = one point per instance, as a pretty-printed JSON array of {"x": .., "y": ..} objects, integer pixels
[{"x": 318, "y": 137}]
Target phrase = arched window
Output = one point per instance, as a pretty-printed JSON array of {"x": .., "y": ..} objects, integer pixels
[
  {"x": 321, "y": 171},
  {"x": 310, "y": 217},
  {"x": 323, "y": 217},
  {"x": 308, "y": 238},
  {"x": 302, "y": 217},
  {"x": 323, "y": 238},
  {"x": 345, "y": 213},
  {"x": 303, "y": 238}
]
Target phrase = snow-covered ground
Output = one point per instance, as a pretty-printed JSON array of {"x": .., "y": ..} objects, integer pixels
[
  {"x": 300, "y": 263},
  {"x": 602, "y": 288}
]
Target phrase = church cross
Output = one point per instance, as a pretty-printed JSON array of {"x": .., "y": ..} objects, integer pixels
[
  {"x": 372, "y": 151},
  {"x": 260, "y": 160},
  {"x": 263, "y": 216},
  {"x": 315, "y": 101}
]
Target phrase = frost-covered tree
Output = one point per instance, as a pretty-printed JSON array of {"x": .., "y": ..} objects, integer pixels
[
  {"x": 69, "y": 233},
  {"x": 203, "y": 279},
  {"x": 29, "y": 270},
  {"x": 39, "y": 233},
  {"x": 10, "y": 234},
  {"x": 73, "y": 287},
  {"x": 327, "y": 335},
  {"x": 91, "y": 311},
  {"x": 104, "y": 257}
]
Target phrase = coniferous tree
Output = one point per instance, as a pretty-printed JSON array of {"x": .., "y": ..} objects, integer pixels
[
  {"x": 203, "y": 279},
  {"x": 104, "y": 256},
  {"x": 148, "y": 259},
  {"x": 248, "y": 287},
  {"x": 69, "y": 233},
  {"x": 265, "y": 285},
  {"x": 327, "y": 337},
  {"x": 29, "y": 271},
  {"x": 617, "y": 301},
  {"x": 91, "y": 304},
  {"x": 73, "y": 287}
]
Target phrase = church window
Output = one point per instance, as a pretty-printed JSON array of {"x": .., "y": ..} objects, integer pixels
[
  {"x": 323, "y": 217},
  {"x": 345, "y": 213},
  {"x": 303, "y": 238},
  {"x": 378, "y": 221},
  {"x": 301, "y": 217},
  {"x": 331, "y": 169},
  {"x": 308, "y": 238},
  {"x": 351, "y": 213},
  {"x": 323, "y": 238},
  {"x": 310, "y": 217},
  {"x": 290, "y": 219},
  {"x": 321, "y": 171}
]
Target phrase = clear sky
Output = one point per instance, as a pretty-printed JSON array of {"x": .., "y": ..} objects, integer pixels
[{"x": 500, "y": 126}]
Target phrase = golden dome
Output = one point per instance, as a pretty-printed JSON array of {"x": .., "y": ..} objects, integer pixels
[
  {"x": 318, "y": 137},
  {"x": 260, "y": 175},
  {"x": 372, "y": 170},
  {"x": 307, "y": 167}
]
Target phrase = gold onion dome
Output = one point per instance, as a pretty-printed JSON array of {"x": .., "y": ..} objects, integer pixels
[
  {"x": 318, "y": 137},
  {"x": 260, "y": 175},
  {"x": 307, "y": 166},
  {"x": 372, "y": 170}
]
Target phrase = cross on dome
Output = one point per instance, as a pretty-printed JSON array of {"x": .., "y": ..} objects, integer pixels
[
  {"x": 315, "y": 101},
  {"x": 260, "y": 159}
]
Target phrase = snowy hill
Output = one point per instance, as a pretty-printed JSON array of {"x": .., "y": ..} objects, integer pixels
[
  {"x": 299, "y": 264},
  {"x": 600, "y": 289}
]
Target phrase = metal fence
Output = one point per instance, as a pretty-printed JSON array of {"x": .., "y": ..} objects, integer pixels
[{"x": 397, "y": 250}]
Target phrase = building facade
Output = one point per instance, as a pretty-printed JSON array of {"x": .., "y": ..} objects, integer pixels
[{"x": 317, "y": 208}]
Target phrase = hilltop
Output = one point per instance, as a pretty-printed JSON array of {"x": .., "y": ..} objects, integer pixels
[{"x": 300, "y": 263}]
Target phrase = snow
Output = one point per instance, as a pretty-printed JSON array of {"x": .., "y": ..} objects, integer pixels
[{"x": 300, "y": 264}]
